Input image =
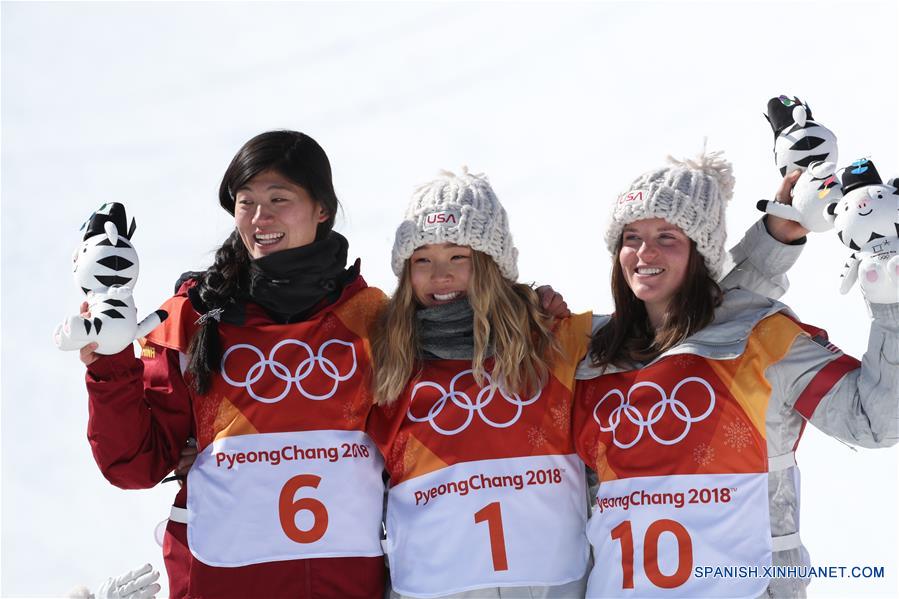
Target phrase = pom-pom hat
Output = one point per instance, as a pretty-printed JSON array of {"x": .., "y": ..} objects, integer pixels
[
  {"x": 691, "y": 194},
  {"x": 460, "y": 209}
]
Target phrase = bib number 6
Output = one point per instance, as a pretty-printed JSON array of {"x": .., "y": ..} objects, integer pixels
[{"x": 289, "y": 507}]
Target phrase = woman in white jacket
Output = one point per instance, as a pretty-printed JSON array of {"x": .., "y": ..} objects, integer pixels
[{"x": 692, "y": 401}]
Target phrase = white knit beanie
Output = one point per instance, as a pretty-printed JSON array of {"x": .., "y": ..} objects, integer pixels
[
  {"x": 691, "y": 194},
  {"x": 460, "y": 209}
]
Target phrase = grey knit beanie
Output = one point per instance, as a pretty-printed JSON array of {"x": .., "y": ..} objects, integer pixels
[
  {"x": 691, "y": 194},
  {"x": 460, "y": 209}
]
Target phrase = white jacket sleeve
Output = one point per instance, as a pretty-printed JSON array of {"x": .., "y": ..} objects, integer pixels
[
  {"x": 759, "y": 263},
  {"x": 855, "y": 402}
]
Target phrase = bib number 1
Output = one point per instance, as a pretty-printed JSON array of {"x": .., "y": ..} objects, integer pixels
[
  {"x": 493, "y": 516},
  {"x": 624, "y": 535},
  {"x": 289, "y": 507}
]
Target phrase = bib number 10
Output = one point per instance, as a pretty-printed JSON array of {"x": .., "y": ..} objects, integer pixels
[
  {"x": 624, "y": 535},
  {"x": 289, "y": 507}
]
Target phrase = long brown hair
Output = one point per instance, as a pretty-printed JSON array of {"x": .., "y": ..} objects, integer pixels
[
  {"x": 507, "y": 319},
  {"x": 629, "y": 336}
]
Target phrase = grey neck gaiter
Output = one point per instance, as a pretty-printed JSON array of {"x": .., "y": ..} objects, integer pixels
[{"x": 446, "y": 332}]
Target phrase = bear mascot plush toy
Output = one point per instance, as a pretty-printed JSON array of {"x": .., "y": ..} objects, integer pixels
[{"x": 866, "y": 220}]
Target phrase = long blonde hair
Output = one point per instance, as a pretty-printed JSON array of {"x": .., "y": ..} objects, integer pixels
[{"x": 507, "y": 319}]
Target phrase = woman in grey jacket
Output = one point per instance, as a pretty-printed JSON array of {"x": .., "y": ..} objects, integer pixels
[{"x": 692, "y": 401}]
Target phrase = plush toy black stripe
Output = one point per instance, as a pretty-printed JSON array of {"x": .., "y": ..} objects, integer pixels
[
  {"x": 121, "y": 243},
  {"x": 110, "y": 280},
  {"x": 810, "y": 159},
  {"x": 115, "y": 262},
  {"x": 807, "y": 143}
]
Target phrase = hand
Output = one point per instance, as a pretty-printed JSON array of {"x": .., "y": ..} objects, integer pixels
[
  {"x": 87, "y": 354},
  {"x": 781, "y": 229},
  {"x": 188, "y": 457},
  {"x": 552, "y": 302},
  {"x": 879, "y": 279},
  {"x": 136, "y": 584}
]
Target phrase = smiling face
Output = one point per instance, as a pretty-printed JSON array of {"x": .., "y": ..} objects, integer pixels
[
  {"x": 272, "y": 214},
  {"x": 440, "y": 273},
  {"x": 654, "y": 256}
]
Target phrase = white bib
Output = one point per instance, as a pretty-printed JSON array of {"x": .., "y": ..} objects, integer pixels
[
  {"x": 488, "y": 523},
  {"x": 650, "y": 533},
  {"x": 282, "y": 496}
]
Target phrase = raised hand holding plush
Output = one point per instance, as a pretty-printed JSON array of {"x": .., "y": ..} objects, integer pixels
[
  {"x": 802, "y": 144},
  {"x": 815, "y": 190},
  {"x": 866, "y": 220},
  {"x": 106, "y": 268}
]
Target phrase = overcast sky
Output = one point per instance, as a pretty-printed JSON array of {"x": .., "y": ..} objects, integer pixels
[{"x": 562, "y": 105}]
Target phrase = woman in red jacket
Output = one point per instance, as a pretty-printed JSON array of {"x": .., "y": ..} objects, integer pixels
[{"x": 263, "y": 360}]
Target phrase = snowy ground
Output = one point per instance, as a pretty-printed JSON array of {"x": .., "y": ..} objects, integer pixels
[{"x": 562, "y": 105}]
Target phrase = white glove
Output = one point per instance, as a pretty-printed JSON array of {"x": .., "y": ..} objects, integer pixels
[
  {"x": 878, "y": 277},
  {"x": 136, "y": 584}
]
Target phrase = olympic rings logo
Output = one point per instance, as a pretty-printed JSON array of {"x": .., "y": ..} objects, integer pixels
[
  {"x": 283, "y": 373},
  {"x": 656, "y": 412},
  {"x": 463, "y": 401}
]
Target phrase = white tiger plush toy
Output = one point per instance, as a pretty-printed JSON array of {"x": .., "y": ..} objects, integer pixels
[
  {"x": 802, "y": 144},
  {"x": 867, "y": 221},
  {"x": 798, "y": 139},
  {"x": 106, "y": 268}
]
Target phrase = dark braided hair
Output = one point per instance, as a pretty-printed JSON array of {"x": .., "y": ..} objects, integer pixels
[
  {"x": 297, "y": 157},
  {"x": 221, "y": 283}
]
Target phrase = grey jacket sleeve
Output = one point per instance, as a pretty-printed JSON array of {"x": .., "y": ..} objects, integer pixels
[
  {"x": 759, "y": 263},
  {"x": 858, "y": 403}
]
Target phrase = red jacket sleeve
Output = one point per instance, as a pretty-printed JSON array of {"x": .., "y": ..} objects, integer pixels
[{"x": 139, "y": 415}]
